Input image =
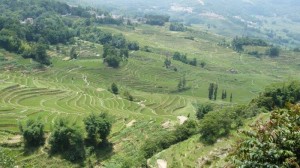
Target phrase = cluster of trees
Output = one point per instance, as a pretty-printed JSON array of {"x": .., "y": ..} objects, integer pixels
[
  {"x": 165, "y": 140},
  {"x": 47, "y": 23},
  {"x": 277, "y": 95},
  {"x": 183, "y": 58},
  {"x": 238, "y": 43},
  {"x": 217, "y": 124},
  {"x": 275, "y": 143},
  {"x": 113, "y": 56},
  {"x": 177, "y": 27},
  {"x": 159, "y": 20},
  {"x": 67, "y": 138}
]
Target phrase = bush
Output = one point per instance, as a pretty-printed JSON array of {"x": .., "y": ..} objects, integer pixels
[
  {"x": 177, "y": 27},
  {"x": 67, "y": 139},
  {"x": 33, "y": 133},
  {"x": 133, "y": 46},
  {"x": 278, "y": 95},
  {"x": 97, "y": 127},
  {"x": 217, "y": 124},
  {"x": 202, "y": 110},
  {"x": 113, "y": 61},
  {"x": 275, "y": 143},
  {"x": 114, "y": 88},
  {"x": 273, "y": 52}
]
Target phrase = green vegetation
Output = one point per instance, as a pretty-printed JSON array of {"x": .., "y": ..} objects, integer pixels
[
  {"x": 67, "y": 139},
  {"x": 114, "y": 89},
  {"x": 277, "y": 95},
  {"x": 97, "y": 127},
  {"x": 274, "y": 143},
  {"x": 160, "y": 77},
  {"x": 177, "y": 27},
  {"x": 202, "y": 110},
  {"x": 6, "y": 160},
  {"x": 159, "y": 20},
  {"x": 33, "y": 133}
]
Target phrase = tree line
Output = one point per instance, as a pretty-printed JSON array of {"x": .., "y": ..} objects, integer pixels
[{"x": 67, "y": 139}]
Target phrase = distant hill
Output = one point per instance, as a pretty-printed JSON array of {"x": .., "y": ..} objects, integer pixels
[{"x": 274, "y": 20}]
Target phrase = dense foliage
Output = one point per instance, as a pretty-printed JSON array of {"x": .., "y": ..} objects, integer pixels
[
  {"x": 27, "y": 25},
  {"x": 67, "y": 139},
  {"x": 183, "y": 58},
  {"x": 177, "y": 27},
  {"x": 114, "y": 88},
  {"x": 273, "y": 52},
  {"x": 33, "y": 133},
  {"x": 97, "y": 127},
  {"x": 275, "y": 143},
  {"x": 159, "y": 20},
  {"x": 202, "y": 110},
  {"x": 239, "y": 42},
  {"x": 278, "y": 95}
]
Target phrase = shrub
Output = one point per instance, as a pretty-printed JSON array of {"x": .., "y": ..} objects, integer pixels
[
  {"x": 275, "y": 143},
  {"x": 273, "y": 52},
  {"x": 114, "y": 88},
  {"x": 202, "y": 110},
  {"x": 33, "y": 133},
  {"x": 278, "y": 95},
  {"x": 67, "y": 139},
  {"x": 97, "y": 127}
]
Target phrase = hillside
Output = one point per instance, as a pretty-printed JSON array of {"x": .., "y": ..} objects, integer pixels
[
  {"x": 77, "y": 78},
  {"x": 274, "y": 20}
]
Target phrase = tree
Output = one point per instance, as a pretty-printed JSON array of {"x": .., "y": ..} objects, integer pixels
[
  {"x": 274, "y": 143},
  {"x": 177, "y": 27},
  {"x": 33, "y": 133},
  {"x": 193, "y": 62},
  {"x": 215, "y": 125},
  {"x": 73, "y": 53},
  {"x": 215, "y": 91},
  {"x": 114, "y": 88},
  {"x": 40, "y": 54},
  {"x": 211, "y": 91},
  {"x": 167, "y": 62},
  {"x": 202, "y": 110},
  {"x": 113, "y": 61},
  {"x": 98, "y": 127},
  {"x": 203, "y": 64},
  {"x": 67, "y": 139},
  {"x": 273, "y": 52},
  {"x": 181, "y": 84},
  {"x": 133, "y": 46}
]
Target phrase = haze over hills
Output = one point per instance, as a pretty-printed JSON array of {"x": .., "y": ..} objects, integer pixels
[{"x": 274, "y": 20}]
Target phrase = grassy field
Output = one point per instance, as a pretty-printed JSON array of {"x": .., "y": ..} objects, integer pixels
[{"x": 75, "y": 88}]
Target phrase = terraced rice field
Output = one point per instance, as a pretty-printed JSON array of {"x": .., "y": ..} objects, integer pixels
[{"x": 75, "y": 88}]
